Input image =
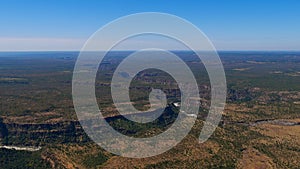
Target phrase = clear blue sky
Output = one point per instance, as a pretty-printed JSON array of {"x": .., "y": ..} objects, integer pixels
[{"x": 231, "y": 25}]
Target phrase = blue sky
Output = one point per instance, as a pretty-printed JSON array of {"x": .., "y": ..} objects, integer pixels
[{"x": 230, "y": 25}]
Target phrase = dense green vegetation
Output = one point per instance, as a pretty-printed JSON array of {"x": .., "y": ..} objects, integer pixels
[{"x": 21, "y": 160}]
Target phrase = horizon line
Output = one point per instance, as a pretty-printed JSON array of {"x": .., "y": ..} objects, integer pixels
[{"x": 127, "y": 50}]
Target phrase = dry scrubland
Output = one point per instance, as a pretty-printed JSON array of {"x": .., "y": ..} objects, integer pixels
[{"x": 260, "y": 127}]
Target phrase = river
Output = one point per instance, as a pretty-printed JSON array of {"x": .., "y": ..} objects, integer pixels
[{"x": 19, "y": 148}]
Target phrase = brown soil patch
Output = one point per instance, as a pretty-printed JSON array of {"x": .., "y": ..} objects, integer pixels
[{"x": 253, "y": 159}]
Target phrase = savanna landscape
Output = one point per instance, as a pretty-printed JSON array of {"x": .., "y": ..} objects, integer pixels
[{"x": 260, "y": 126}]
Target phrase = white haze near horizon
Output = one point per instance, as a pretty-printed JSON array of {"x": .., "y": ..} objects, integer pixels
[{"x": 75, "y": 44}]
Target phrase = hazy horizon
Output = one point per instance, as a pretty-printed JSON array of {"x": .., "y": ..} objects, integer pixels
[{"x": 242, "y": 25}]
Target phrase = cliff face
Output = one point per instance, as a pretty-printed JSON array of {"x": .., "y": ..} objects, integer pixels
[
  {"x": 41, "y": 134},
  {"x": 3, "y": 130}
]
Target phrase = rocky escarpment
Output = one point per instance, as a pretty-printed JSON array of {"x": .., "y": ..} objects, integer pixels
[
  {"x": 41, "y": 134},
  {"x": 3, "y": 130}
]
